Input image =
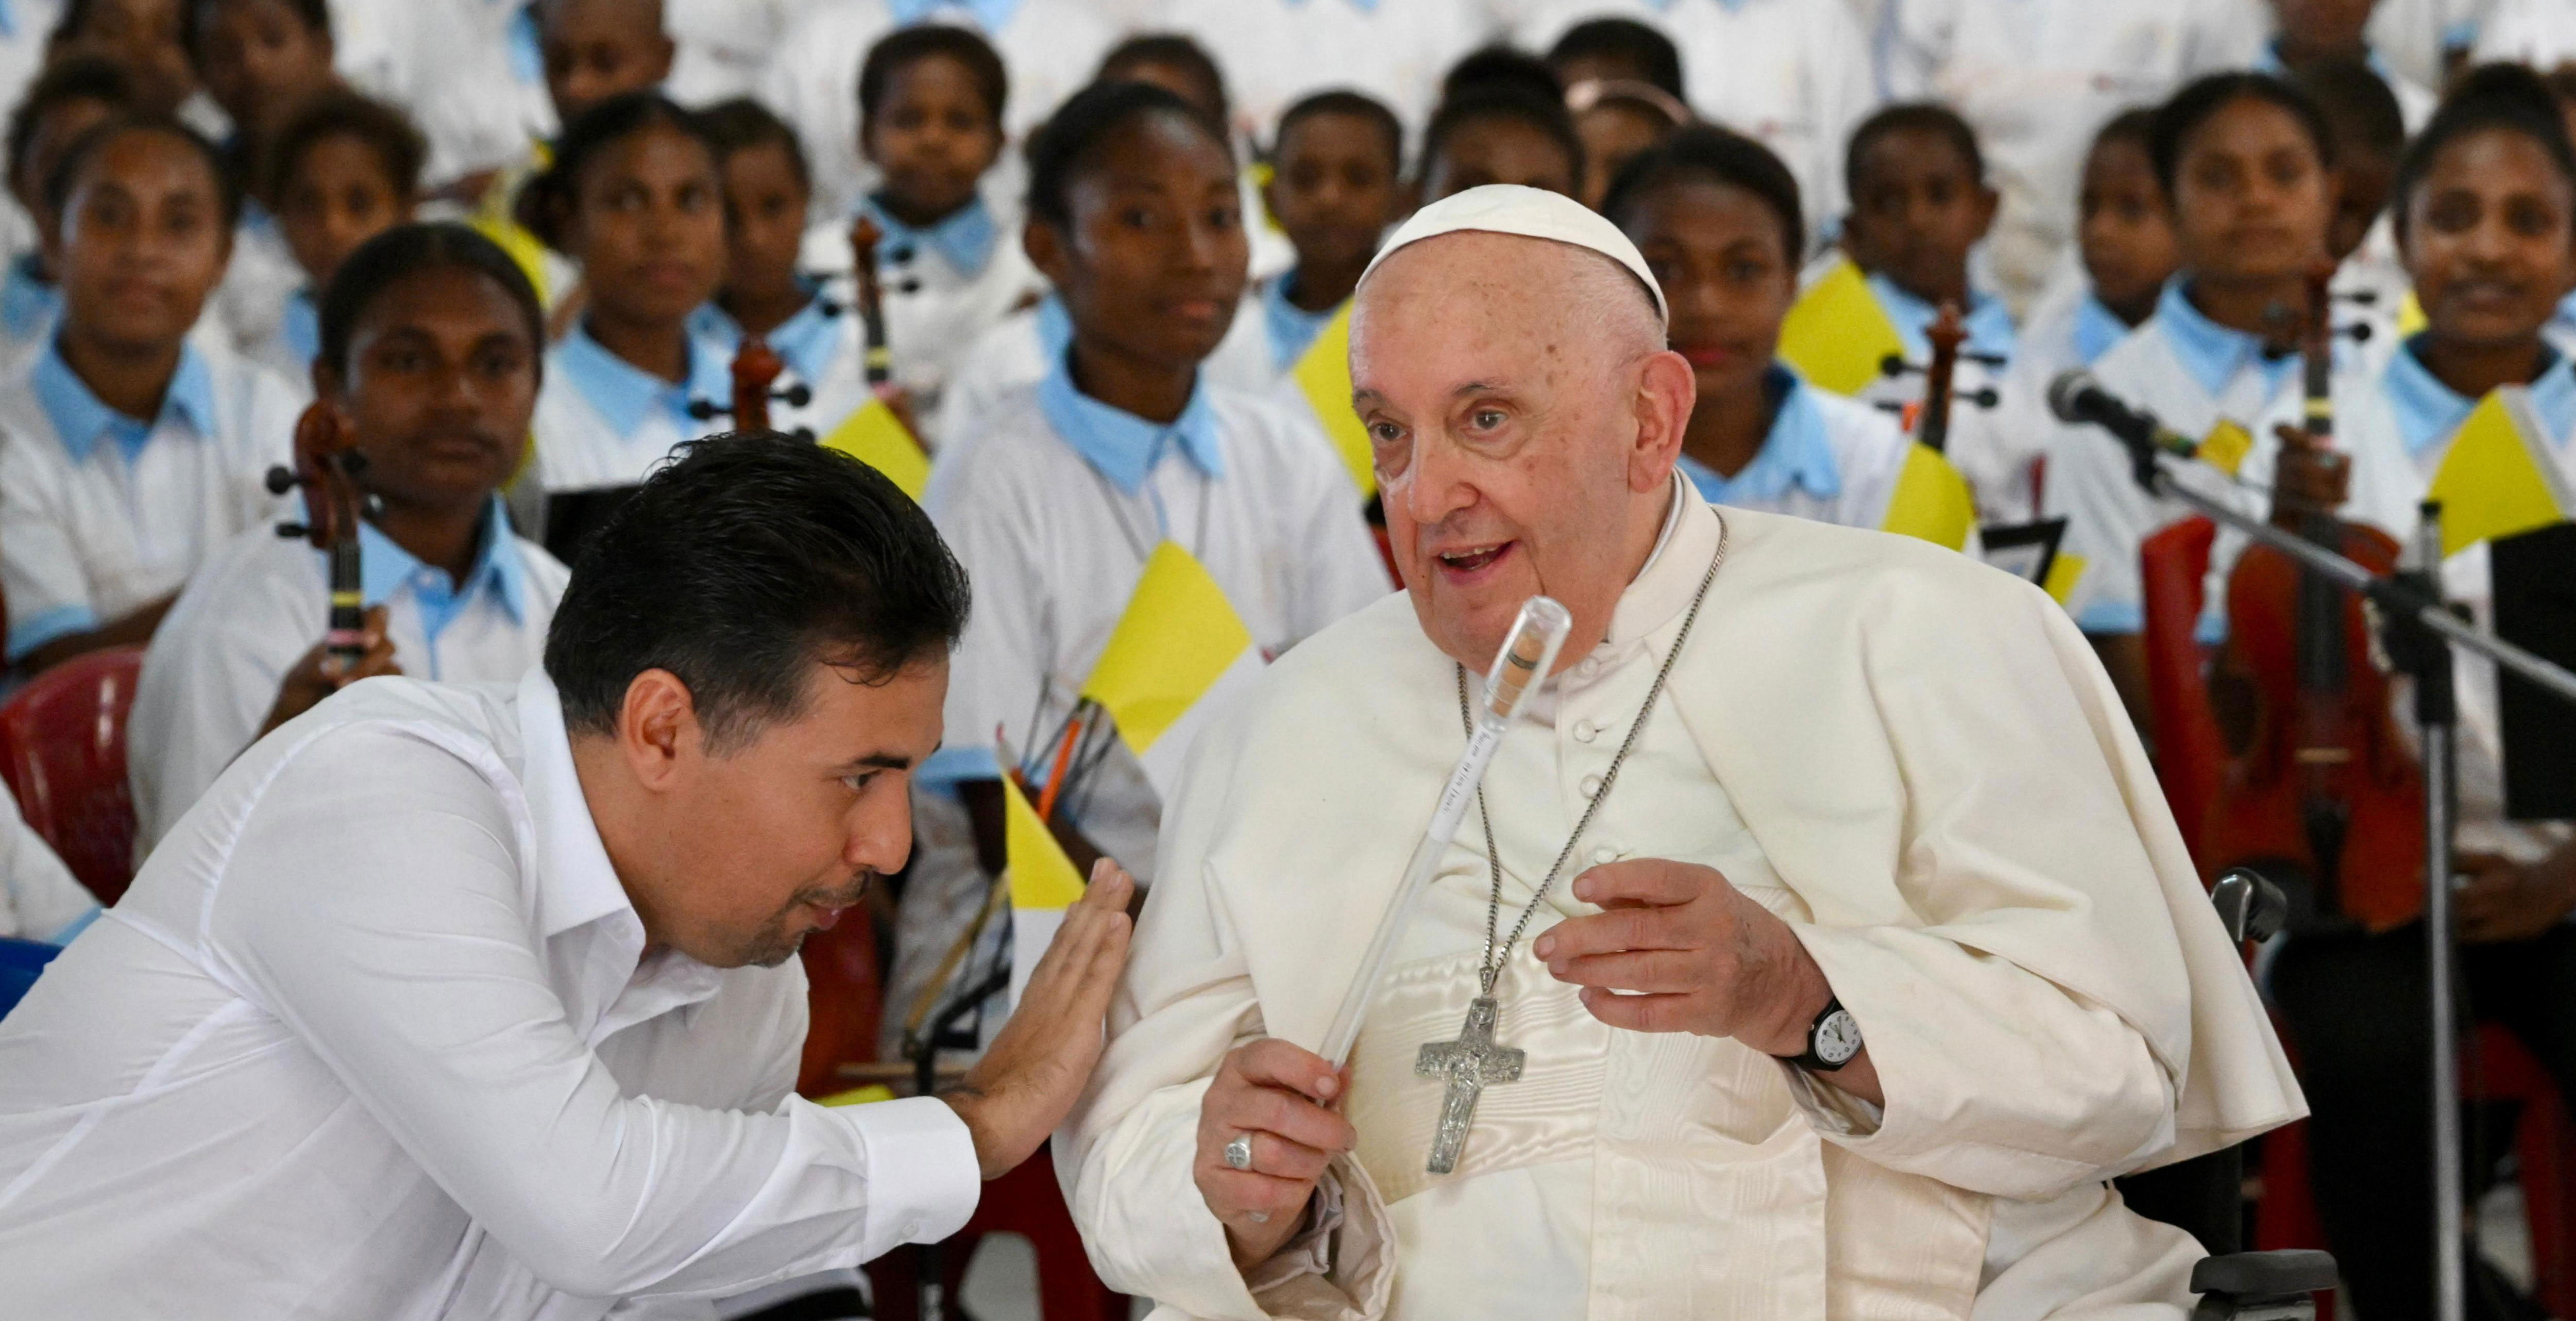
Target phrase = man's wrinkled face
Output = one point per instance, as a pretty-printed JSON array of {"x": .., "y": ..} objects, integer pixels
[{"x": 1524, "y": 420}]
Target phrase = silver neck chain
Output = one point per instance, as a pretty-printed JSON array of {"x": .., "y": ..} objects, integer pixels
[{"x": 1491, "y": 967}]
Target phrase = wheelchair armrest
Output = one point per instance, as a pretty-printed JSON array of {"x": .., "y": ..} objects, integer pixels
[{"x": 2252, "y": 1285}]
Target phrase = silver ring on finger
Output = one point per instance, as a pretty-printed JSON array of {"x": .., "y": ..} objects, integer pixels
[{"x": 1238, "y": 1153}]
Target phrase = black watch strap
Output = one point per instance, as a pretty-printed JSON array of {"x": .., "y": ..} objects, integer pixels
[{"x": 1833, "y": 1039}]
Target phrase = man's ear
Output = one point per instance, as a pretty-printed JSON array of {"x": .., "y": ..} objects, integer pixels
[
  {"x": 1046, "y": 249},
  {"x": 657, "y": 728},
  {"x": 1666, "y": 391}
]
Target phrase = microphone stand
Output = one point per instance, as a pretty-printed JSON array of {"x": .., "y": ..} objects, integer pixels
[{"x": 2417, "y": 631}]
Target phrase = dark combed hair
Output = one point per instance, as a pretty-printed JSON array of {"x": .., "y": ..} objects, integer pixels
[
  {"x": 313, "y": 14},
  {"x": 1070, "y": 142},
  {"x": 547, "y": 200},
  {"x": 742, "y": 124},
  {"x": 2135, "y": 125},
  {"x": 399, "y": 148},
  {"x": 2357, "y": 103},
  {"x": 87, "y": 78},
  {"x": 1501, "y": 100},
  {"x": 403, "y": 250},
  {"x": 2179, "y": 118},
  {"x": 903, "y": 46},
  {"x": 2507, "y": 98},
  {"x": 1704, "y": 152},
  {"x": 1913, "y": 117},
  {"x": 1507, "y": 66},
  {"x": 737, "y": 566},
  {"x": 1357, "y": 105},
  {"x": 1173, "y": 51},
  {"x": 1646, "y": 54},
  {"x": 85, "y": 149}
]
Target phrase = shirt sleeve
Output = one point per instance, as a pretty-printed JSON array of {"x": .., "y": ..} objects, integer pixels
[
  {"x": 209, "y": 680},
  {"x": 376, "y": 904},
  {"x": 998, "y": 672},
  {"x": 40, "y": 562}
]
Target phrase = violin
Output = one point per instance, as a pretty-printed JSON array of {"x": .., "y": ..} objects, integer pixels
[
  {"x": 865, "y": 235},
  {"x": 2319, "y": 779},
  {"x": 328, "y": 466},
  {"x": 1929, "y": 420},
  {"x": 756, "y": 368}
]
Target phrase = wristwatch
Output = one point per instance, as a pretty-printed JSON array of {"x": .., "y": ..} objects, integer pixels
[{"x": 1832, "y": 1040}]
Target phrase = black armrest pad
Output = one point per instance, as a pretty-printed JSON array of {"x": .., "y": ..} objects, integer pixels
[{"x": 2264, "y": 1274}]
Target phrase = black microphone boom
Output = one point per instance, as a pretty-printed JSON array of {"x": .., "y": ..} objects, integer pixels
[{"x": 2077, "y": 398}]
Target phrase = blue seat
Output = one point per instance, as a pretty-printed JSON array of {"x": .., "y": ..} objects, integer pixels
[{"x": 20, "y": 961}]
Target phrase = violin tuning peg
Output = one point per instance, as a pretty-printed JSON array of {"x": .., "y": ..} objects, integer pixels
[
  {"x": 294, "y": 531},
  {"x": 1894, "y": 364},
  {"x": 900, "y": 254},
  {"x": 907, "y": 286},
  {"x": 280, "y": 480},
  {"x": 706, "y": 410},
  {"x": 1985, "y": 398},
  {"x": 805, "y": 434},
  {"x": 2359, "y": 332},
  {"x": 1984, "y": 359},
  {"x": 795, "y": 396},
  {"x": 1891, "y": 406}
]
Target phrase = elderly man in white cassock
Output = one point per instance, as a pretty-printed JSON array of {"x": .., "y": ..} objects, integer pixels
[{"x": 1845, "y": 941}]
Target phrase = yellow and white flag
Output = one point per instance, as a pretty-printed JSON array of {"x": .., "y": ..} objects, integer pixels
[
  {"x": 2499, "y": 479},
  {"x": 1042, "y": 879},
  {"x": 1931, "y": 501},
  {"x": 1178, "y": 647},
  {"x": 1324, "y": 377},
  {"x": 876, "y": 437},
  {"x": 1836, "y": 334}
]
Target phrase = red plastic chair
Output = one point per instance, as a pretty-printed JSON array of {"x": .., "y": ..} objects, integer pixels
[
  {"x": 844, "y": 999},
  {"x": 2189, "y": 755},
  {"x": 1028, "y": 1202},
  {"x": 2495, "y": 1067},
  {"x": 62, "y": 750}
]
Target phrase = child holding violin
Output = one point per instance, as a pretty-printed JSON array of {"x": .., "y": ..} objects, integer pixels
[
  {"x": 2485, "y": 210},
  {"x": 431, "y": 340}
]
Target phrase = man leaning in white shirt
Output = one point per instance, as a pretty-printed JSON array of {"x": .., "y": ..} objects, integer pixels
[{"x": 480, "y": 1001}]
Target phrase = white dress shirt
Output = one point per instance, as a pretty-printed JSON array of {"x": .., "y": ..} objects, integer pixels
[
  {"x": 376, "y": 1034},
  {"x": 244, "y": 620},
  {"x": 2540, "y": 33},
  {"x": 603, "y": 422},
  {"x": 101, "y": 514},
  {"x": 1021, "y": 348},
  {"x": 1826, "y": 457}
]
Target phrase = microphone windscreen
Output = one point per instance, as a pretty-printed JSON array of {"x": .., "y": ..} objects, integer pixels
[{"x": 2065, "y": 392}]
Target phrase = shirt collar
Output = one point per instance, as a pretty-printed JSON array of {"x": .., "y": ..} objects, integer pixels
[
  {"x": 1670, "y": 578},
  {"x": 1292, "y": 328},
  {"x": 626, "y": 394},
  {"x": 2213, "y": 353},
  {"x": 80, "y": 419},
  {"x": 8, "y": 20},
  {"x": 1125, "y": 447},
  {"x": 576, "y": 883},
  {"x": 964, "y": 238},
  {"x": 1796, "y": 452},
  {"x": 27, "y": 303},
  {"x": 2268, "y": 60},
  {"x": 806, "y": 342},
  {"x": 2097, "y": 328},
  {"x": 990, "y": 15},
  {"x": 301, "y": 327},
  {"x": 1986, "y": 319},
  {"x": 385, "y": 567},
  {"x": 2428, "y": 412}
]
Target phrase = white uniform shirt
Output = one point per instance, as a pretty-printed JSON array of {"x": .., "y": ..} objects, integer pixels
[
  {"x": 212, "y": 671},
  {"x": 1054, "y": 507},
  {"x": 261, "y": 281},
  {"x": 2540, "y": 33},
  {"x": 1828, "y": 458},
  {"x": 604, "y": 422},
  {"x": 1051, "y": 48},
  {"x": 1275, "y": 52},
  {"x": 39, "y": 897},
  {"x": 1024, "y": 346},
  {"x": 375, "y": 1035},
  {"x": 24, "y": 26},
  {"x": 1792, "y": 74},
  {"x": 465, "y": 71},
  {"x": 2067, "y": 327},
  {"x": 101, "y": 514},
  {"x": 723, "y": 45}
]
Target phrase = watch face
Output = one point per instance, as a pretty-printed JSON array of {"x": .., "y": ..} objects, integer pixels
[{"x": 1838, "y": 1038}]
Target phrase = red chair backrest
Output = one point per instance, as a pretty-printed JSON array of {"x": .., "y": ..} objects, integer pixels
[
  {"x": 844, "y": 1000},
  {"x": 62, "y": 750},
  {"x": 2172, "y": 564}
]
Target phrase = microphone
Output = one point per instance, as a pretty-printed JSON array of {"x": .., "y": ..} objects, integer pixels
[{"x": 2076, "y": 398}]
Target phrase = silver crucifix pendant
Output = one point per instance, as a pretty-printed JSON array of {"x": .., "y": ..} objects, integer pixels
[{"x": 1469, "y": 1063}]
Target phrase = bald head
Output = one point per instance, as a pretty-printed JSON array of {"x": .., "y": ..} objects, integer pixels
[{"x": 1524, "y": 416}]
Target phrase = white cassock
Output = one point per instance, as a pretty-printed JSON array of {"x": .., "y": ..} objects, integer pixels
[{"x": 1910, "y": 757}]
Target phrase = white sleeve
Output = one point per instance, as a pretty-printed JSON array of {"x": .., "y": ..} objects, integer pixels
[
  {"x": 375, "y": 904},
  {"x": 40, "y": 559},
  {"x": 209, "y": 679}
]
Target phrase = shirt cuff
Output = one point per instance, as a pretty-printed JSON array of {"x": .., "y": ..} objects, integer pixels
[
  {"x": 923, "y": 1178},
  {"x": 45, "y": 626}
]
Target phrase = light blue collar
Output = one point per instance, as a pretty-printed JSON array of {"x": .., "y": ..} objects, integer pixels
[
  {"x": 1989, "y": 323},
  {"x": 27, "y": 303},
  {"x": 81, "y": 420},
  {"x": 2213, "y": 353},
  {"x": 2428, "y": 412},
  {"x": 1124, "y": 447},
  {"x": 8, "y": 20},
  {"x": 990, "y": 15},
  {"x": 385, "y": 568},
  {"x": 2097, "y": 328},
  {"x": 1797, "y": 452},
  {"x": 1292, "y": 328},
  {"x": 626, "y": 394},
  {"x": 963, "y": 238},
  {"x": 2268, "y": 60},
  {"x": 301, "y": 327},
  {"x": 806, "y": 342}
]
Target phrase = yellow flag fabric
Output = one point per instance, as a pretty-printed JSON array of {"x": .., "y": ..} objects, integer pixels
[
  {"x": 1041, "y": 875},
  {"x": 2410, "y": 316},
  {"x": 2063, "y": 573},
  {"x": 1324, "y": 375},
  {"x": 2225, "y": 447},
  {"x": 1836, "y": 334},
  {"x": 1931, "y": 501},
  {"x": 1178, "y": 636},
  {"x": 2497, "y": 480},
  {"x": 876, "y": 437}
]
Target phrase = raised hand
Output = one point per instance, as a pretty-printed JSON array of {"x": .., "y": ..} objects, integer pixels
[{"x": 314, "y": 677}]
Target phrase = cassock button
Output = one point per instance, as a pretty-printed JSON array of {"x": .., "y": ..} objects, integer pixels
[
  {"x": 1585, "y": 731},
  {"x": 1604, "y": 853},
  {"x": 1591, "y": 786},
  {"x": 910, "y": 1230}
]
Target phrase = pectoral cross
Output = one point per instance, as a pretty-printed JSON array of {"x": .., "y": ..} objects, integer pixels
[{"x": 1469, "y": 1063}]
